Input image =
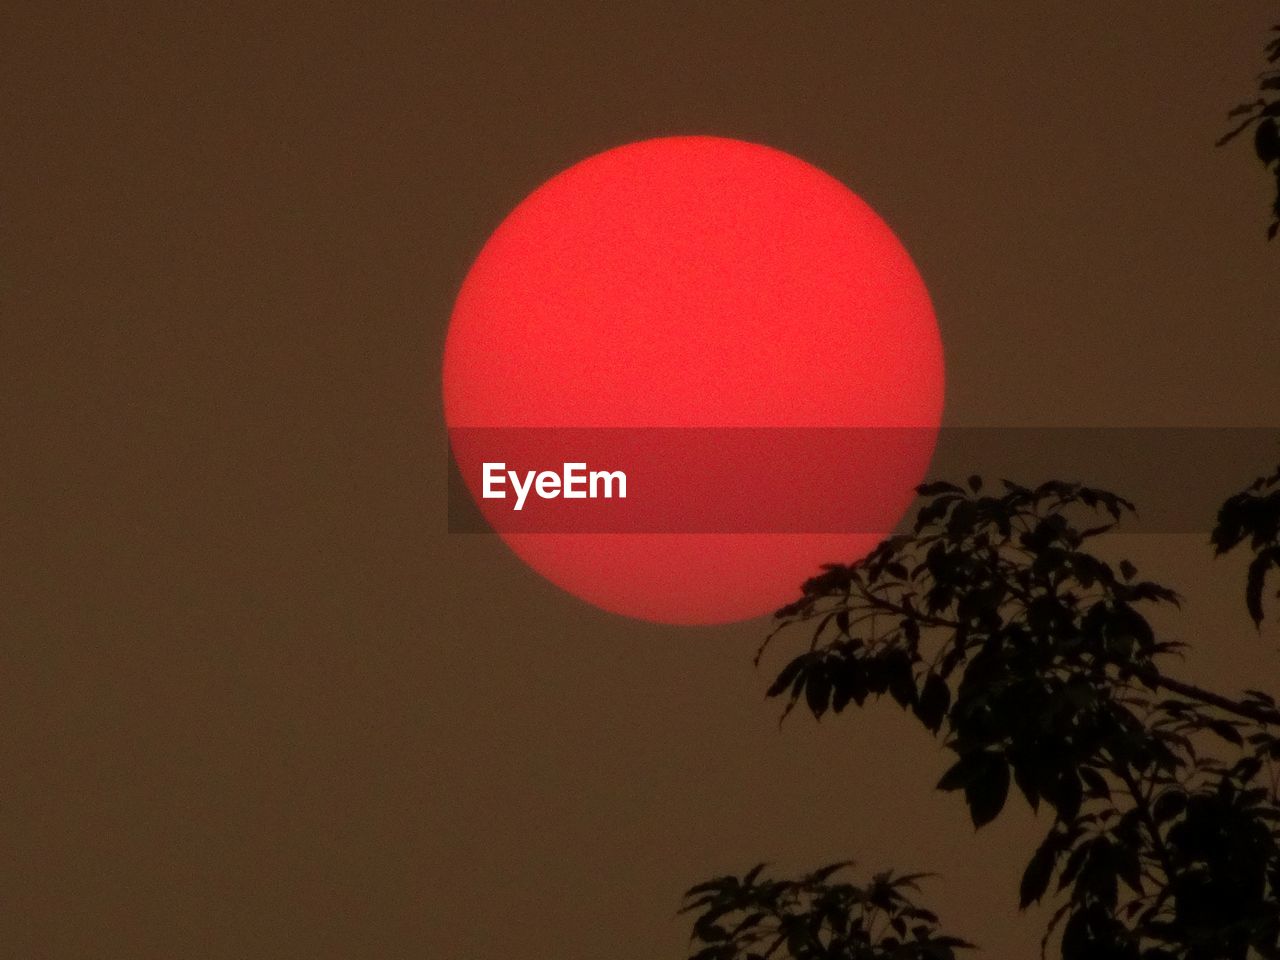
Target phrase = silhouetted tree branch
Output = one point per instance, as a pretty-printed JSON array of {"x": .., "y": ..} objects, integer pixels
[
  {"x": 1261, "y": 114},
  {"x": 996, "y": 625},
  {"x": 1253, "y": 515},
  {"x": 814, "y": 918},
  {"x": 1033, "y": 659}
]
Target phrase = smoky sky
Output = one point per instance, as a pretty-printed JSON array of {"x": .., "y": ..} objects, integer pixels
[{"x": 260, "y": 702}]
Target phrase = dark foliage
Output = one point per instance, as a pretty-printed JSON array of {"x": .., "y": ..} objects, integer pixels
[
  {"x": 817, "y": 917},
  {"x": 1033, "y": 659},
  {"x": 1261, "y": 115},
  {"x": 1253, "y": 515}
]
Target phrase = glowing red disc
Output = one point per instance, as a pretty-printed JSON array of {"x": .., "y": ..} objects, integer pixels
[{"x": 695, "y": 282}]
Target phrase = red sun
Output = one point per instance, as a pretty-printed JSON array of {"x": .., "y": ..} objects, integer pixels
[{"x": 695, "y": 282}]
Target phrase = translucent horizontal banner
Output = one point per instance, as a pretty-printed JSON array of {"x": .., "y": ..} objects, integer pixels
[{"x": 823, "y": 479}]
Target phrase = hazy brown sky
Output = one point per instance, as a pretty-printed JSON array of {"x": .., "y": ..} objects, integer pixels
[{"x": 259, "y": 704}]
